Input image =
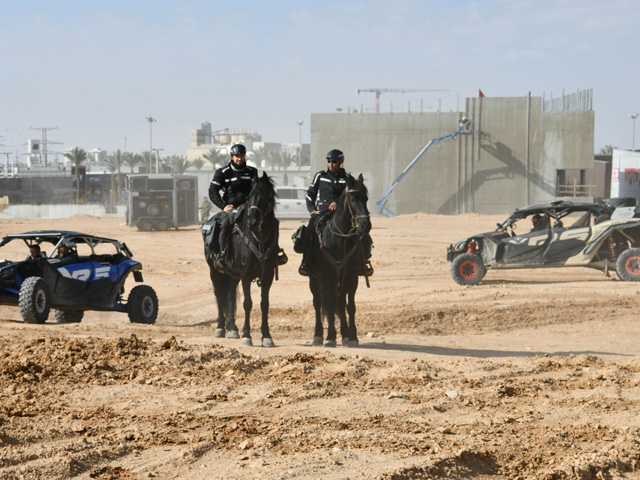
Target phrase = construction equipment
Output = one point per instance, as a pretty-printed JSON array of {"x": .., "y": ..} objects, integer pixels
[
  {"x": 465, "y": 128},
  {"x": 378, "y": 91}
]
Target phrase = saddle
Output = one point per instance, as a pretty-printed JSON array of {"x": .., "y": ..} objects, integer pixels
[{"x": 211, "y": 233}]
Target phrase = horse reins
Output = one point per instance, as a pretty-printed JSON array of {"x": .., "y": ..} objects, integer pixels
[
  {"x": 339, "y": 265},
  {"x": 259, "y": 251}
]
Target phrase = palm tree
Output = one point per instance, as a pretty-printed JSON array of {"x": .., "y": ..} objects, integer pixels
[
  {"x": 179, "y": 164},
  {"x": 215, "y": 158},
  {"x": 164, "y": 165},
  {"x": 132, "y": 160},
  {"x": 274, "y": 158},
  {"x": 607, "y": 150},
  {"x": 198, "y": 163},
  {"x": 260, "y": 156},
  {"x": 117, "y": 158},
  {"x": 77, "y": 156},
  {"x": 147, "y": 159}
]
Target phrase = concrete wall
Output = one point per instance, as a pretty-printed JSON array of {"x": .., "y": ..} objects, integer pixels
[
  {"x": 509, "y": 160},
  {"x": 58, "y": 211}
]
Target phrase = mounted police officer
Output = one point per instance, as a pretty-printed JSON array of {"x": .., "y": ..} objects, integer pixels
[
  {"x": 322, "y": 196},
  {"x": 235, "y": 180}
]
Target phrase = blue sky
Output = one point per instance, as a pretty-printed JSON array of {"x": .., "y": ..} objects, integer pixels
[{"x": 96, "y": 69}]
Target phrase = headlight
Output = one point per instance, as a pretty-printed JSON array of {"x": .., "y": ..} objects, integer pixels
[{"x": 8, "y": 273}]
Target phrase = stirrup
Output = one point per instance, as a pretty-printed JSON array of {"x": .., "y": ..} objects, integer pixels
[
  {"x": 282, "y": 257},
  {"x": 368, "y": 268},
  {"x": 304, "y": 269},
  {"x": 219, "y": 262}
]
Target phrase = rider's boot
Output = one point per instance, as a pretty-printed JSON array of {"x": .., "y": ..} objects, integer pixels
[
  {"x": 305, "y": 268},
  {"x": 282, "y": 257}
]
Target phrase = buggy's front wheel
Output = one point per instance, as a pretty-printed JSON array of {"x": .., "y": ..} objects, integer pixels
[
  {"x": 34, "y": 300},
  {"x": 142, "y": 305},
  {"x": 468, "y": 269}
]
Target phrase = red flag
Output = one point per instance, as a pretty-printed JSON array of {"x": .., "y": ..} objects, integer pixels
[{"x": 480, "y": 94}]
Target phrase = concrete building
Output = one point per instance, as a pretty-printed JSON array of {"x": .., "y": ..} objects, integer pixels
[
  {"x": 204, "y": 139},
  {"x": 515, "y": 155}
]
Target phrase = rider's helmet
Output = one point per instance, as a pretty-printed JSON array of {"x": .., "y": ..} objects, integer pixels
[
  {"x": 238, "y": 149},
  {"x": 335, "y": 154}
]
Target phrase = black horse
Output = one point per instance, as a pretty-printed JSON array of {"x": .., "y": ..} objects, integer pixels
[
  {"x": 337, "y": 259},
  {"x": 252, "y": 254}
]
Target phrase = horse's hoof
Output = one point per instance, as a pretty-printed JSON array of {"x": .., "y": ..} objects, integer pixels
[
  {"x": 317, "y": 341},
  {"x": 219, "y": 333},
  {"x": 330, "y": 344},
  {"x": 268, "y": 342},
  {"x": 246, "y": 341},
  {"x": 353, "y": 343},
  {"x": 233, "y": 334},
  {"x": 345, "y": 341}
]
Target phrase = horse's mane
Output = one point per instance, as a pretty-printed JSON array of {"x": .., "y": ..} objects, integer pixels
[
  {"x": 357, "y": 183},
  {"x": 264, "y": 187}
]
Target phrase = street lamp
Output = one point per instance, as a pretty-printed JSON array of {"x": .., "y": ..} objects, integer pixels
[
  {"x": 300, "y": 138},
  {"x": 151, "y": 120},
  {"x": 633, "y": 117}
]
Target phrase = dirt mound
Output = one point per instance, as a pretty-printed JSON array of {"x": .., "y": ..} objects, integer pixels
[{"x": 532, "y": 374}]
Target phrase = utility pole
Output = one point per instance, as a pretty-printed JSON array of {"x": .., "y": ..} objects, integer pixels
[
  {"x": 150, "y": 119},
  {"x": 633, "y": 117},
  {"x": 300, "y": 139},
  {"x": 44, "y": 141}
]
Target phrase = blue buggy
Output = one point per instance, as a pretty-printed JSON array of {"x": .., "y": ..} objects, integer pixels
[{"x": 91, "y": 277}]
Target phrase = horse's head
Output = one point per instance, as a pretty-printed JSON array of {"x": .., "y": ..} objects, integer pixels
[
  {"x": 356, "y": 197},
  {"x": 261, "y": 201}
]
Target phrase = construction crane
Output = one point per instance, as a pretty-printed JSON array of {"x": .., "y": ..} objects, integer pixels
[{"x": 378, "y": 91}]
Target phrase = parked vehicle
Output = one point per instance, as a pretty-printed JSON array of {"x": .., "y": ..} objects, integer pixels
[
  {"x": 291, "y": 203},
  {"x": 603, "y": 236},
  {"x": 91, "y": 278}
]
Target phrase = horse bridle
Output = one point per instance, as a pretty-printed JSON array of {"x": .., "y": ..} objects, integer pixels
[
  {"x": 339, "y": 266},
  {"x": 354, "y": 218},
  {"x": 261, "y": 253}
]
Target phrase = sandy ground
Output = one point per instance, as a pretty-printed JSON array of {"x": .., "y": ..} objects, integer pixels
[{"x": 532, "y": 374}]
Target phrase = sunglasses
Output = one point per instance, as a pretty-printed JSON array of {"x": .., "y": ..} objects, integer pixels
[{"x": 333, "y": 160}]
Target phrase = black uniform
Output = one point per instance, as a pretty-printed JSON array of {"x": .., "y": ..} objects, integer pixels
[
  {"x": 236, "y": 184},
  {"x": 325, "y": 188}
]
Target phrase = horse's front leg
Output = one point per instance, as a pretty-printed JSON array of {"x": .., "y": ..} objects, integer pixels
[
  {"x": 315, "y": 287},
  {"x": 329, "y": 304},
  {"x": 231, "y": 286},
  {"x": 351, "y": 310},
  {"x": 221, "y": 303},
  {"x": 248, "y": 305},
  {"x": 266, "y": 283},
  {"x": 225, "y": 301},
  {"x": 341, "y": 300}
]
